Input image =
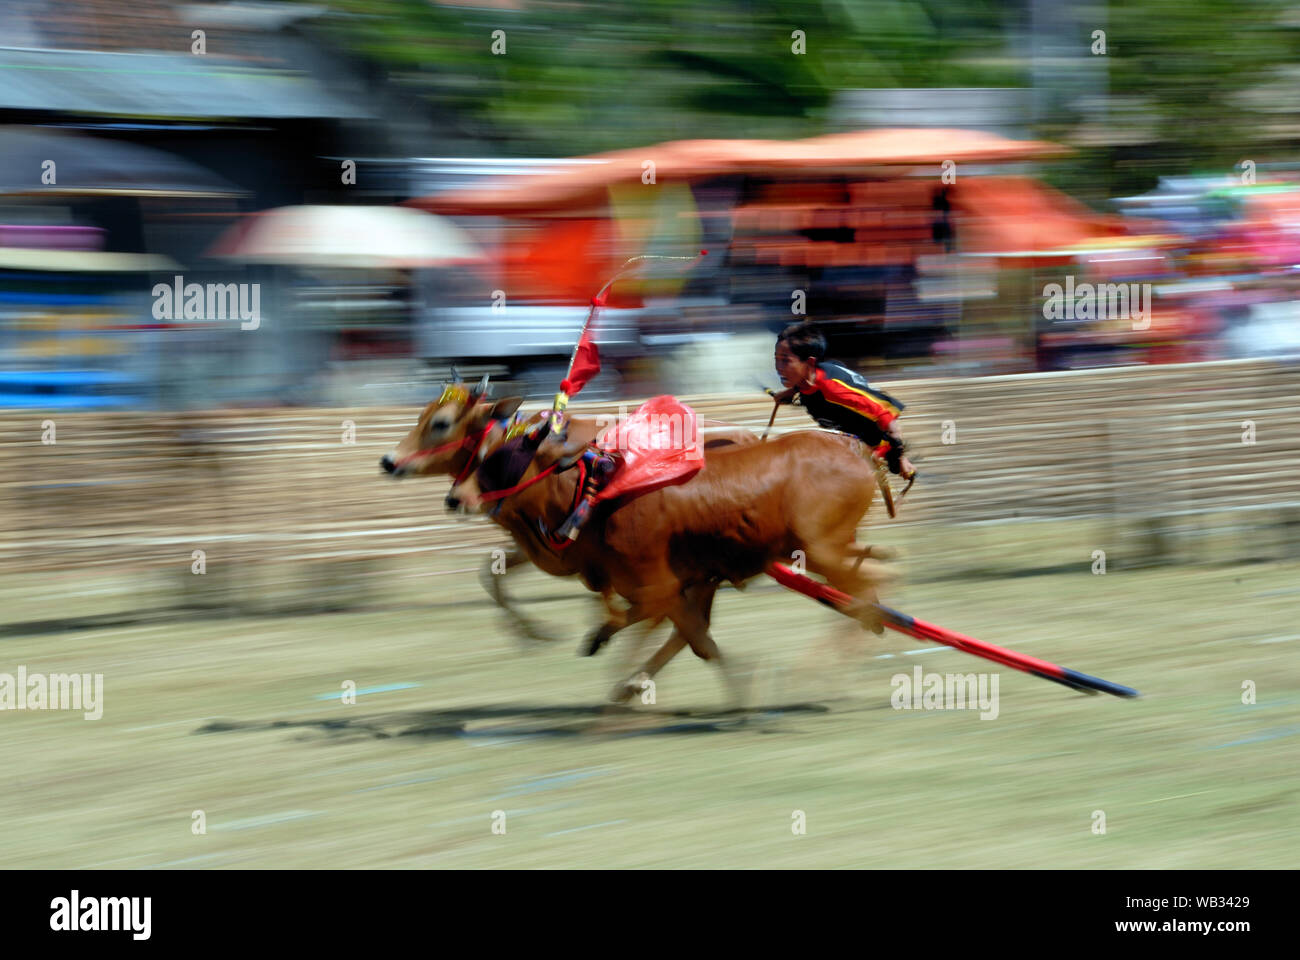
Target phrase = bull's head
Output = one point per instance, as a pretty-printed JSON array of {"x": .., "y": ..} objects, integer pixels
[{"x": 439, "y": 441}]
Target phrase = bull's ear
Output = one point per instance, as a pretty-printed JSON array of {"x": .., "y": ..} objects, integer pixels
[
  {"x": 505, "y": 407},
  {"x": 481, "y": 412}
]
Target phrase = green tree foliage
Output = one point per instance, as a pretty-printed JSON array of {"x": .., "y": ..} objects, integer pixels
[
  {"x": 1196, "y": 84},
  {"x": 585, "y": 77}
]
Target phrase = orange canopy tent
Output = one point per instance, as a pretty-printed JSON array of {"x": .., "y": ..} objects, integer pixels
[
  {"x": 586, "y": 186},
  {"x": 1021, "y": 218},
  {"x": 570, "y": 242}
]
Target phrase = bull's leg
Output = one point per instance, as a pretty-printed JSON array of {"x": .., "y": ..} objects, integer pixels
[
  {"x": 832, "y": 563},
  {"x": 651, "y": 609},
  {"x": 869, "y": 552},
  {"x": 615, "y": 620},
  {"x": 690, "y": 617},
  {"x": 626, "y": 689},
  {"x": 494, "y": 584}
]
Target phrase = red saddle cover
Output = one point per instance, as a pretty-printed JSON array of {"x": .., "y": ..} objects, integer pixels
[{"x": 660, "y": 445}]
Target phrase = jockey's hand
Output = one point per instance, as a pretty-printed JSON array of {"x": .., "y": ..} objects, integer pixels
[
  {"x": 905, "y": 469},
  {"x": 783, "y": 396}
]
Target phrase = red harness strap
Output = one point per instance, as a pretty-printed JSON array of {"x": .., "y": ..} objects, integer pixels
[
  {"x": 469, "y": 463},
  {"x": 475, "y": 439},
  {"x": 524, "y": 485},
  {"x": 557, "y": 543}
]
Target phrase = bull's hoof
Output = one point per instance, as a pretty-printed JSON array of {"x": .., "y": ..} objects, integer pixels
[
  {"x": 591, "y": 646},
  {"x": 625, "y": 690},
  {"x": 871, "y": 621},
  {"x": 622, "y": 692},
  {"x": 866, "y": 615}
]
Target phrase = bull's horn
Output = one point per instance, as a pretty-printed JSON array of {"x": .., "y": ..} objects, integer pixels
[
  {"x": 482, "y": 387},
  {"x": 534, "y": 439},
  {"x": 456, "y": 373}
]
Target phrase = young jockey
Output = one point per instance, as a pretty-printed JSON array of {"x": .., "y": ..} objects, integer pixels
[{"x": 838, "y": 398}]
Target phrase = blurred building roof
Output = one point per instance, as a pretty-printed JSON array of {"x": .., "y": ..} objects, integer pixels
[
  {"x": 92, "y": 25},
  {"x": 1019, "y": 216},
  {"x": 93, "y": 165},
  {"x": 234, "y": 31},
  {"x": 160, "y": 85},
  {"x": 134, "y": 58}
]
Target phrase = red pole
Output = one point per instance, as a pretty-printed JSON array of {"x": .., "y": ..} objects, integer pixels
[{"x": 922, "y": 630}]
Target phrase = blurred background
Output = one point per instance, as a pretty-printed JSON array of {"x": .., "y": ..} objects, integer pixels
[
  {"x": 242, "y": 243},
  {"x": 919, "y": 171}
]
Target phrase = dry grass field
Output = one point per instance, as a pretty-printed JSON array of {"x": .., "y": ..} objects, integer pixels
[
  {"x": 468, "y": 748},
  {"x": 241, "y": 717}
]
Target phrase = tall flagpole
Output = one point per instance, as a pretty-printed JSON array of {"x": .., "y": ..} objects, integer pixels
[{"x": 562, "y": 398}]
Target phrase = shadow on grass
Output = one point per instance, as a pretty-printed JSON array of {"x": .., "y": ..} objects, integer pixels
[
  {"x": 198, "y": 614},
  {"x": 526, "y": 721}
]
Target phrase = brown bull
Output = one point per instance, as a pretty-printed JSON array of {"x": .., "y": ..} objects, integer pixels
[
  {"x": 457, "y": 431},
  {"x": 666, "y": 552}
]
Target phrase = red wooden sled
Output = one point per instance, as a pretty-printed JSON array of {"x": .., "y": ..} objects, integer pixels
[{"x": 929, "y": 631}]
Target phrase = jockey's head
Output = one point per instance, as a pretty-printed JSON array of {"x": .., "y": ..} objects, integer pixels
[{"x": 799, "y": 349}]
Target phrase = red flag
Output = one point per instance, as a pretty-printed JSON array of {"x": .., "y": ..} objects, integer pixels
[
  {"x": 586, "y": 364},
  {"x": 586, "y": 359}
]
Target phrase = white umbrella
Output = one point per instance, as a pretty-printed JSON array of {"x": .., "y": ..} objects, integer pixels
[{"x": 337, "y": 236}]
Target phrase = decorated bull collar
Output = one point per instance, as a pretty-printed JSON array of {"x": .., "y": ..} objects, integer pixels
[
  {"x": 519, "y": 424},
  {"x": 514, "y": 426}
]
